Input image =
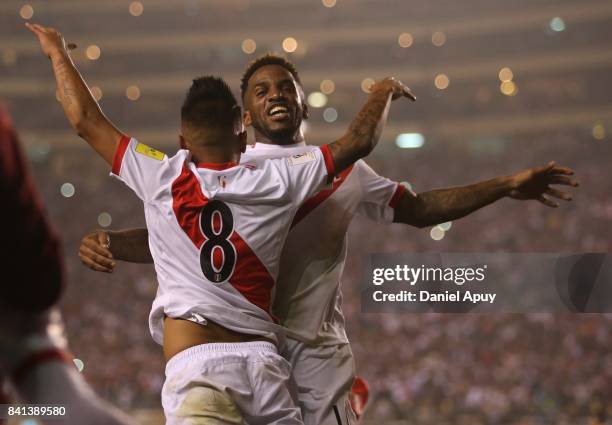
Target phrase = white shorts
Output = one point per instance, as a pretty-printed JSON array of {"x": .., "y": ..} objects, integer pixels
[
  {"x": 324, "y": 376},
  {"x": 246, "y": 383}
]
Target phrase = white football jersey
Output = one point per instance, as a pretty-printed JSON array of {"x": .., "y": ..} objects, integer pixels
[
  {"x": 307, "y": 299},
  {"x": 216, "y": 231}
]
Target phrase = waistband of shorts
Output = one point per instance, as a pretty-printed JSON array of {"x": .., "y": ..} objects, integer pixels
[{"x": 217, "y": 347}]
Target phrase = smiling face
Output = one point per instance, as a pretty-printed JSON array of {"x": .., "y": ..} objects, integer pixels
[{"x": 274, "y": 105}]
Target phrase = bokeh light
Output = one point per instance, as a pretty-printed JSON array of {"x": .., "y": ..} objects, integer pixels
[
  {"x": 96, "y": 92},
  {"x": 327, "y": 86},
  {"x": 136, "y": 8},
  {"x": 317, "y": 99},
  {"x": 67, "y": 190},
  {"x": 441, "y": 81},
  {"x": 290, "y": 44},
  {"x": 437, "y": 233},
  {"x": 26, "y": 11},
  {"x": 249, "y": 46},
  {"x": 410, "y": 140},
  {"x": 508, "y": 88},
  {"x": 105, "y": 219},
  {"x": 366, "y": 85},
  {"x": 330, "y": 115},
  {"x": 132, "y": 92},
  {"x": 80, "y": 365},
  {"x": 505, "y": 74},
  {"x": 438, "y": 38},
  {"x": 329, "y": 3},
  {"x": 93, "y": 52},
  {"x": 446, "y": 226},
  {"x": 405, "y": 40},
  {"x": 599, "y": 131},
  {"x": 557, "y": 24}
]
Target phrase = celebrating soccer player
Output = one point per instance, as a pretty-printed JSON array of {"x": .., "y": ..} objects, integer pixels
[{"x": 216, "y": 232}]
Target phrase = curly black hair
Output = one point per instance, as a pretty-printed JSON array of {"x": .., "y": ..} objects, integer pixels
[{"x": 267, "y": 59}]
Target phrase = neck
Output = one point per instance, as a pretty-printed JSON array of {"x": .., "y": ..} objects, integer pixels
[
  {"x": 296, "y": 137},
  {"x": 214, "y": 154}
]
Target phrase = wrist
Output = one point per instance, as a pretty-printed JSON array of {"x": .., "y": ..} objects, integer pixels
[
  {"x": 507, "y": 184},
  {"x": 59, "y": 53}
]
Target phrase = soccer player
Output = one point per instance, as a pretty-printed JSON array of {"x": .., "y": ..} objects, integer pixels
[
  {"x": 33, "y": 350},
  {"x": 308, "y": 296},
  {"x": 216, "y": 231}
]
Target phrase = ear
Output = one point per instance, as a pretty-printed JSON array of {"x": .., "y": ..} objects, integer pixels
[
  {"x": 246, "y": 119},
  {"x": 305, "y": 111},
  {"x": 242, "y": 137},
  {"x": 182, "y": 142}
]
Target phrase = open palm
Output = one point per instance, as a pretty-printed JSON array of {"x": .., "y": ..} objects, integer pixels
[{"x": 534, "y": 183}]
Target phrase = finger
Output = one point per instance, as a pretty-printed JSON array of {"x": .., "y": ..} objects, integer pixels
[
  {"x": 104, "y": 241},
  {"x": 94, "y": 266},
  {"x": 562, "y": 170},
  {"x": 545, "y": 168},
  {"x": 567, "y": 181},
  {"x": 97, "y": 258},
  {"x": 547, "y": 202},
  {"x": 558, "y": 194},
  {"x": 40, "y": 28},
  {"x": 96, "y": 248},
  {"x": 408, "y": 93},
  {"x": 33, "y": 28}
]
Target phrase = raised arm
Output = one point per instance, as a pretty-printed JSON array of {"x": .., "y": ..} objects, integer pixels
[
  {"x": 442, "y": 205},
  {"x": 101, "y": 248},
  {"x": 366, "y": 129},
  {"x": 81, "y": 109}
]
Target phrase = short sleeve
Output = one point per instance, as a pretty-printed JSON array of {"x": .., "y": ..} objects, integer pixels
[
  {"x": 141, "y": 168},
  {"x": 308, "y": 172},
  {"x": 380, "y": 195}
]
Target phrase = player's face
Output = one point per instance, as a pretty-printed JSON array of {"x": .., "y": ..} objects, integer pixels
[{"x": 274, "y": 104}]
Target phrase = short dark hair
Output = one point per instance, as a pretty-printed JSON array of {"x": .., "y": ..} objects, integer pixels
[
  {"x": 210, "y": 103},
  {"x": 267, "y": 59}
]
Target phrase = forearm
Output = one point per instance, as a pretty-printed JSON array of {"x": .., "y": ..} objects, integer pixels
[
  {"x": 442, "y": 205},
  {"x": 130, "y": 245},
  {"x": 80, "y": 107},
  {"x": 364, "y": 132}
]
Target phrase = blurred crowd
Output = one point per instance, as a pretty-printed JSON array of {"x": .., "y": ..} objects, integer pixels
[{"x": 422, "y": 368}]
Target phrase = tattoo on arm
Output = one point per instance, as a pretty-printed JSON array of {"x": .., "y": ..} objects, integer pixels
[
  {"x": 441, "y": 205},
  {"x": 364, "y": 132}
]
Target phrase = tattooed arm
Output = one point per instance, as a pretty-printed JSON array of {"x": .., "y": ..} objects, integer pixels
[
  {"x": 365, "y": 130},
  {"x": 441, "y": 205},
  {"x": 81, "y": 109}
]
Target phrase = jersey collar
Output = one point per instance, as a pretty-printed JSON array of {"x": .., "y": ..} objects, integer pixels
[
  {"x": 219, "y": 166},
  {"x": 270, "y": 146}
]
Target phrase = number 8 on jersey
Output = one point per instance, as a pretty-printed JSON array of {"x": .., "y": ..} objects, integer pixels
[{"x": 217, "y": 254}]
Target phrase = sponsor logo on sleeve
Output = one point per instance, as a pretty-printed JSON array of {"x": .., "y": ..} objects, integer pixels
[
  {"x": 301, "y": 158},
  {"x": 150, "y": 152}
]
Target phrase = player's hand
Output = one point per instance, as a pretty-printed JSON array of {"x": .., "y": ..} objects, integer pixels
[
  {"x": 51, "y": 41},
  {"x": 534, "y": 183},
  {"x": 94, "y": 252},
  {"x": 395, "y": 86}
]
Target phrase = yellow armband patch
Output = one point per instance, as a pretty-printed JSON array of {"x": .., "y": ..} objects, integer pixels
[{"x": 150, "y": 152}]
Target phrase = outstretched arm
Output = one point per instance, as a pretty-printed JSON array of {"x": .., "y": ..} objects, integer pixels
[
  {"x": 366, "y": 129},
  {"x": 101, "y": 248},
  {"x": 81, "y": 109},
  {"x": 441, "y": 205}
]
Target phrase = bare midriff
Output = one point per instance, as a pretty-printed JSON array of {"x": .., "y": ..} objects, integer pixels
[{"x": 181, "y": 334}]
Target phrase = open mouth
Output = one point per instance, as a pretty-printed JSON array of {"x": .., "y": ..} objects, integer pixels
[{"x": 279, "y": 112}]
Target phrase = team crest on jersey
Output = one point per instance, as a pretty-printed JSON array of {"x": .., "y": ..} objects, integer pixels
[
  {"x": 150, "y": 152},
  {"x": 301, "y": 158}
]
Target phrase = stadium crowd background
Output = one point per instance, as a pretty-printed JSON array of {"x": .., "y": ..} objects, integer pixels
[{"x": 422, "y": 368}]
